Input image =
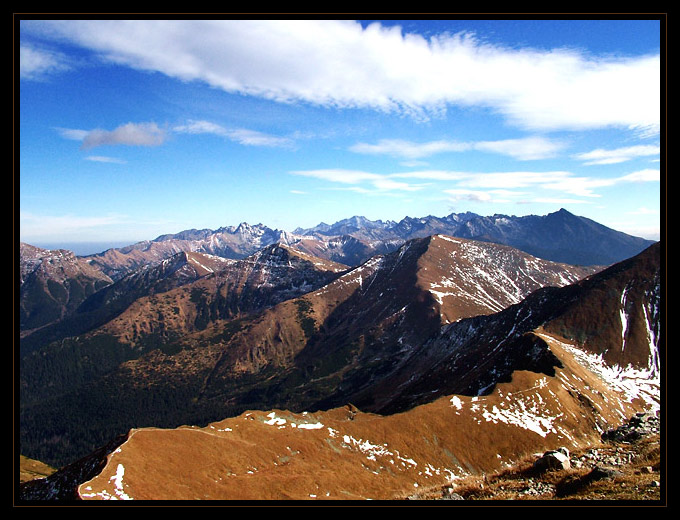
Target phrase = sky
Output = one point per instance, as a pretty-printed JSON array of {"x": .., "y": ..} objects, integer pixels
[{"x": 130, "y": 129}]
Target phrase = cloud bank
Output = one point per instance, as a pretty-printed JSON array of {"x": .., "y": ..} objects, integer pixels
[{"x": 341, "y": 64}]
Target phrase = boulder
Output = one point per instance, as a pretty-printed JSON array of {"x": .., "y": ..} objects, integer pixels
[{"x": 553, "y": 460}]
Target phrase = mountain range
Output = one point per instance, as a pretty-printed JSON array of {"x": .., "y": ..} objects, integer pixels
[
  {"x": 560, "y": 237},
  {"x": 390, "y": 323},
  {"x": 557, "y": 368}
]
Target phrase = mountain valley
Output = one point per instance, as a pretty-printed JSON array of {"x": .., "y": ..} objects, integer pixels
[{"x": 343, "y": 361}]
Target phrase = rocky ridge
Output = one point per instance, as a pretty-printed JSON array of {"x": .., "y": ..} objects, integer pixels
[
  {"x": 233, "y": 242},
  {"x": 558, "y": 393},
  {"x": 52, "y": 284},
  {"x": 559, "y": 236},
  {"x": 580, "y": 241}
]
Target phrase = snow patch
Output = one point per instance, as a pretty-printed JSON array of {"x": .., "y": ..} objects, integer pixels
[
  {"x": 275, "y": 421},
  {"x": 449, "y": 239},
  {"x": 311, "y": 426},
  {"x": 633, "y": 383}
]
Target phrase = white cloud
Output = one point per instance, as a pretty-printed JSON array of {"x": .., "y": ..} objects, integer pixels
[
  {"x": 131, "y": 134},
  {"x": 389, "y": 185},
  {"x": 528, "y": 148},
  {"x": 104, "y": 159},
  {"x": 255, "y": 138},
  {"x": 525, "y": 149},
  {"x": 434, "y": 175},
  {"x": 480, "y": 186},
  {"x": 240, "y": 135},
  {"x": 378, "y": 182},
  {"x": 409, "y": 149},
  {"x": 72, "y": 133},
  {"x": 201, "y": 127},
  {"x": 619, "y": 155},
  {"x": 337, "y": 63},
  {"x": 339, "y": 175},
  {"x": 514, "y": 179},
  {"x": 648, "y": 175},
  {"x": 36, "y": 64}
]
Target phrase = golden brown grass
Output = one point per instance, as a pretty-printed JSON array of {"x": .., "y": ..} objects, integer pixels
[
  {"x": 639, "y": 480},
  {"x": 30, "y": 469}
]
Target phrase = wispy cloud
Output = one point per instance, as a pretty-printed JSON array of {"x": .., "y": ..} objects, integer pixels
[
  {"x": 528, "y": 148},
  {"x": 482, "y": 186},
  {"x": 104, "y": 159},
  {"x": 150, "y": 134},
  {"x": 254, "y": 138},
  {"x": 648, "y": 175},
  {"x": 618, "y": 155},
  {"x": 377, "y": 182},
  {"x": 338, "y": 63},
  {"x": 525, "y": 149},
  {"x": 408, "y": 149},
  {"x": 73, "y": 134},
  {"x": 200, "y": 127},
  {"x": 240, "y": 135},
  {"x": 36, "y": 63},
  {"x": 340, "y": 175}
]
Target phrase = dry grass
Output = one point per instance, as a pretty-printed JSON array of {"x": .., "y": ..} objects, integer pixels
[
  {"x": 30, "y": 469},
  {"x": 638, "y": 480}
]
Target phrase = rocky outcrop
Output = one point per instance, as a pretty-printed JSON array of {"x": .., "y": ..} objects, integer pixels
[
  {"x": 639, "y": 426},
  {"x": 553, "y": 460}
]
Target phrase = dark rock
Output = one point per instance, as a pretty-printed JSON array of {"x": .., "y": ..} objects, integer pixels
[
  {"x": 602, "y": 473},
  {"x": 572, "y": 484},
  {"x": 637, "y": 427}
]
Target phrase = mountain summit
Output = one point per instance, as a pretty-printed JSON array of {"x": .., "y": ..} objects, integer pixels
[
  {"x": 555, "y": 370},
  {"x": 560, "y": 236}
]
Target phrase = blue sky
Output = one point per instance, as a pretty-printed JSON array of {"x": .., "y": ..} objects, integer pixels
[{"x": 132, "y": 129}]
